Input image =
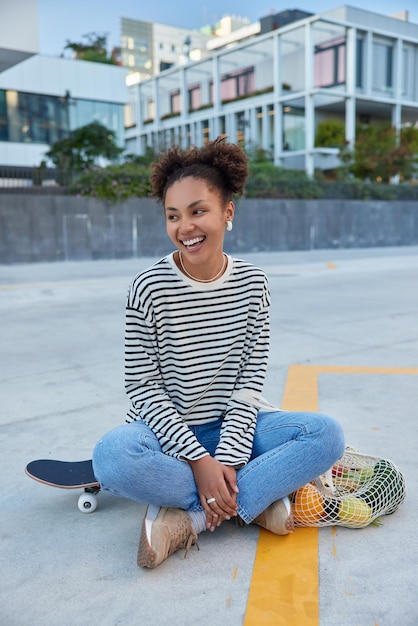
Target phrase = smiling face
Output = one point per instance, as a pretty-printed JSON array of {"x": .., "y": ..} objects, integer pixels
[{"x": 195, "y": 221}]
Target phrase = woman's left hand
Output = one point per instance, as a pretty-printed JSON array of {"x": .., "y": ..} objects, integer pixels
[{"x": 217, "y": 486}]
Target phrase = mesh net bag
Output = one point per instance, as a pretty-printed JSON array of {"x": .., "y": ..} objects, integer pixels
[{"x": 356, "y": 491}]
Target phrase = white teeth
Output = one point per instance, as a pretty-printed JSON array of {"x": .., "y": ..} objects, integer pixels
[{"x": 192, "y": 242}]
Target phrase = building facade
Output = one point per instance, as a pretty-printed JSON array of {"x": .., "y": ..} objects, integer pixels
[
  {"x": 273, "y": 89},
  {"x": 43, "y": 98},
  {"x": 148, "y": 48}
]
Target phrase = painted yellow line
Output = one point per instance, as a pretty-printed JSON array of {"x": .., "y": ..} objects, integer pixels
[
  {"x": 284, "y": 588},
  {"x": 330, "y": 265}
]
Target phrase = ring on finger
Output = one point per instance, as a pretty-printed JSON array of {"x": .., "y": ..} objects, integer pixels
[{"x": 210, "y": 500}]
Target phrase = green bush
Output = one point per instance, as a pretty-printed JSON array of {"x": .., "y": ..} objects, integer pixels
[
  {"x": 114, "y": 183},
  {"x": 266, "y": 180},
  {"x": 330, "y": 133}
]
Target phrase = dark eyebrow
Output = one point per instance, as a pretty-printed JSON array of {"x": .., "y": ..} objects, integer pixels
[{"x": 191, "y": 206}]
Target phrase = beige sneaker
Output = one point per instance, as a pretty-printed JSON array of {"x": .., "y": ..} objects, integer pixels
[
  {"x": 164, "y": 531},
  {"x": 277, "y": 518}
]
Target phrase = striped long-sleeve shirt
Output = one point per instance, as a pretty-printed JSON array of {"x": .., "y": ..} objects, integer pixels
[{"x": 189, "y": 347}]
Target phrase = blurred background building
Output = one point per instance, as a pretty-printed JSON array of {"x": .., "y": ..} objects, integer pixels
[
  {"x": 42, "y": 97},
  {"x": 272, "y": 88},
  {"x": 266, "y": 84}
]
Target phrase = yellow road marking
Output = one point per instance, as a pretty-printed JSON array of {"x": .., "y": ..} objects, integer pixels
[
  {"x": 330, "y": 265},
  {"x": 284, "y": 588}
]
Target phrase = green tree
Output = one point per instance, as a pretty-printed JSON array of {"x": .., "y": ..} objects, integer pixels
[
  {"x": 330, "y": 133},
  {"x": 83, "y": 147},
  {"x": 94, "y": 49},
  {"x": 115, "y": 182},
  {"x": 380, "y": 153}
]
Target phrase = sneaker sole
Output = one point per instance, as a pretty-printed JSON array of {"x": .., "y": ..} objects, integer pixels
[{"x": 146, "y": 555}]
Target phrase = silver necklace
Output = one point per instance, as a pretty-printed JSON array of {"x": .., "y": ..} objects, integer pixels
[{"x": 201, "y": 280}]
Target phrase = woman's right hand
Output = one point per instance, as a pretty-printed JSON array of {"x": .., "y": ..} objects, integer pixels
[{"x": 215, "y": 480}]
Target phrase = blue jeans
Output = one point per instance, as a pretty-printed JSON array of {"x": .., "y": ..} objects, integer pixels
[{"x": 289, "y": 450}]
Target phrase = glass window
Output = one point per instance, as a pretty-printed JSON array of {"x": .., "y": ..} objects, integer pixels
[
  {"x": 205, "y": 131},
  {"x": 34, "y": 118},
  {"x": 293, "y": 128},
  {"x": 382, "y": 66},
  {"x": 198, "y": 78},
  {"x": 329, "y": 54},
  {"x": 4, "y": 134},
  {"x": 359, "y": 63},
  {"x": 292, "y": 57},
  {"x": 246, "y": 69},
  {"x": 237, "y": 83},
  {"x": 195, "y": 99},
  {"x": 175, "y": 101},
  {"x": 188, "y": 135},
  {"x": 329, "y": 63},
  {"x": 409, "y": 71}
]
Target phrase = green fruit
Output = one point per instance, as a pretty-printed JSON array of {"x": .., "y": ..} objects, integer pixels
[
  {"x": 365, "y": 473},
  {"x": 352, "y": 479},
  {"x": 386, "y": 490},
  {"x": 354, "y": 512}
]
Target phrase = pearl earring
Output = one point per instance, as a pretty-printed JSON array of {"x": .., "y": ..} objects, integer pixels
[{"x": 229, "y": 226}]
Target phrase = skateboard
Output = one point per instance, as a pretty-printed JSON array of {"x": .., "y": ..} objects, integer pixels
[{"x": 68, "y": 475}]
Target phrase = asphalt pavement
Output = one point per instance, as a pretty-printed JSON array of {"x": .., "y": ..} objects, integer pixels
[{"x": 345, "y": 322}]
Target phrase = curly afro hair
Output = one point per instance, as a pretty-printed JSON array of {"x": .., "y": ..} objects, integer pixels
[{"x": 223, "y": 165}]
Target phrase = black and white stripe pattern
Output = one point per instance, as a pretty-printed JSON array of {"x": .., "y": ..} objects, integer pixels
[{"x": 189, "y": 345}]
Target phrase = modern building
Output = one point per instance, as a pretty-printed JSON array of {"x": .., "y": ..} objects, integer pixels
[
  {"x": 42, "y": 98},
  {"x": 271, "y": 90},
  {"x": 148, "y": 48}
]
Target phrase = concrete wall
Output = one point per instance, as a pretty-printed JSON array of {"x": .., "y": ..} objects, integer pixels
[{"x": 56, "y": 228}]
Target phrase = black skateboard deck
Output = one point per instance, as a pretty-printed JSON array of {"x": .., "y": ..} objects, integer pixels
[{"x": 68, "y": 475}]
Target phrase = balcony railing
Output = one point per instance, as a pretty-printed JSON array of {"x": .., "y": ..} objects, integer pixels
[{"x": 34, "y": 180}]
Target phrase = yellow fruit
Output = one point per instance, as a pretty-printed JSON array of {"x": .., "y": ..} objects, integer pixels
[
  {"x": 308, "y": 506},
  {"x": 354, "y": 512}
]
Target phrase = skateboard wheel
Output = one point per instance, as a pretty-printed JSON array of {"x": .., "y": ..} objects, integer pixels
[{"x": 87, "y": 503}]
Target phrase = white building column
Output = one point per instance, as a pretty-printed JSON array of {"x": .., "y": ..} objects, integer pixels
[
  {"x": 252, "y": 117},
  {"x": 137, "y": 118},
  {"x": 309, "y": 103},
  {"x": 231, "y": 127},
  {"x": 183, "y": 94},
  {"x": 156, "y": 101},
  {"x": 368, "y": 75},
  {"x": 397, "y": 117},
  {"x": 309, "y": 134},
  {"x": 183, "y": 136},
  {"x": 278, "y": 107},
  {"x": 265, "y": 134},
  {"x": 193, "y": 133},
  {"x": 278, "y": 133},
  {"x": 350, "y": 103},
  {"x": 396, "y": 109},
  {"x": 216, "y": 91}
]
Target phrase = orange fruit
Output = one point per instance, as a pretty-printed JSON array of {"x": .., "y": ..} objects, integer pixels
[{"x": 308, "y": 505}]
